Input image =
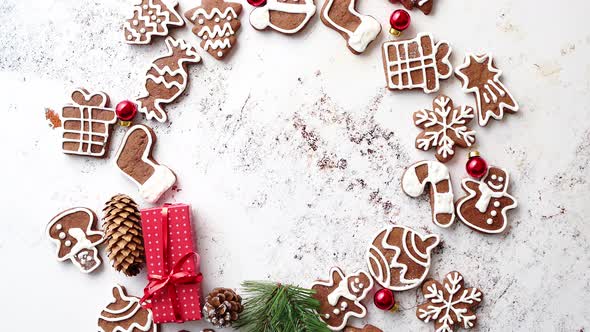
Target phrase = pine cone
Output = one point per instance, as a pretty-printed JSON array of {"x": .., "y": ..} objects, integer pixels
[
  {"x": 222, "y": 307},
  {"x": 122, "y": 227}
]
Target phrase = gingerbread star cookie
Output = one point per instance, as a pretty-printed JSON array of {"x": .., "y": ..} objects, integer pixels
[{"x": 151, "y": 18}]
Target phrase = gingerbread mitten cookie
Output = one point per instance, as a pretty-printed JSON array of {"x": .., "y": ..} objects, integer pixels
[
  {"x": 285, "y": 16},
  {"x": 416, "y": 63},
  {"x": 484, "y": 208},
  {"x": 151, "y": 18},
  {"x": 435, "y": 175},
  {"x": 125, "y": 314},
  {"x": 358, "y": 30},
  {"x": 75, "y": 234},
  {"x": 134, "y": 158},
  {"x": 479, "y": 76},
  {"x": 399, "y": 257},
  {"x": 166, "y": 79},
  {"x": 340, "y": 297},
  {"x": 87, "y": 124},
  {"x": 424, "y": 5}
]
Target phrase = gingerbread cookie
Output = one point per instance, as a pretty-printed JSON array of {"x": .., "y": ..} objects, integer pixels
[
  {"x": 358, "y": 30},
  {"x": 286, "y": 16},
  {"x": 74, "y": 233},
  {"x": 134, "y": 158},
  {"x": 484, "y": 208},
  {"x": 216, "y": 23},
  {"x": 479, "y": 76},
  {"x": 416, "y": 63},
  {"x": 444, "y": 127},
  {"x": 366, "y": 328},
  {"x": 424, "y": 5},
  {"x": 437, "y": 177},
  {"x": 340, "y": 297},
  {"x": 87, "y": 124},
  {"x": 166, "y": 79},
  {"x": 125, "y": 314},
  {"x": 151, "y": 18},
  {"x": 449, "y": 304},
  {"x": 399, "y": 257}
]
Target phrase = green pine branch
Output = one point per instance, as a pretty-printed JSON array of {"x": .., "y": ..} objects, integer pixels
[{"x": 273, "y": 307}]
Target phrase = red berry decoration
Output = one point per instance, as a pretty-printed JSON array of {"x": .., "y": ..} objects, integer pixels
[
  {"x": 476, "y": 166},
  {"x": 257, "y": 3},
  {"x": 126, "y": 111},
  {"x": 384, "y": 299},
  {"x": 399, "y": 20}
]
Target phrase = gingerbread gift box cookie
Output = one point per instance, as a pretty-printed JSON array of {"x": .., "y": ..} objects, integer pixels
[
  {"x": 285, "y": 16},
  {"x": 151, "y": 18},
  {"x": 125, "y": 314}
]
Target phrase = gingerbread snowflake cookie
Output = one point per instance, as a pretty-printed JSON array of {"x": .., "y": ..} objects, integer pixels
[
  {"x": 424, "y": 5},
  {"x": 340, "y": 297},
  {"x": 285, "y": 16},
  {"x": 74, "y": 233},
  {"x": 216, "y": 23},
  {"x": 449, "y": 304},
  {"x": 484, "y": 208},
  {"x": 444, "y": 127},
  {"x": 151, "y": 18},
  {"x": 399, "y": 257},
  {"x": 125, "y": 314},
  {"x": 479, "y": 76},
  {"x": 417, "y": 63}
]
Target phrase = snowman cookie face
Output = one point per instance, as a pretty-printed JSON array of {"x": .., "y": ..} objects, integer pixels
[{"x": 497, "y": 179}]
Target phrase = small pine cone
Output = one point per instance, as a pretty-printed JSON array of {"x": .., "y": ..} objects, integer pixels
[
  {"x": 124, "y": 239},
  {"x": 222, "y": 307}
]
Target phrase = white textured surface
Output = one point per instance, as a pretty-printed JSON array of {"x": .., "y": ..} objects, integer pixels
[{"x": 291, "y": 154}]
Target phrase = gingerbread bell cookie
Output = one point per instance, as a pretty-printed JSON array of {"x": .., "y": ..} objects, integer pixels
[
  {"x": 399, "y": 257},
  {"x": 285, "y": 16},
  {"x": 479, "y": 76},
  {"x": 484, "y": 208},
  {"x": 216, "y": 23},
  {"x": 449, "y": 304},
  {"x": 359, "y": 30},
  {"x": 424, "y": 5},
  {"x": 151, "y": 18},
  {"x": 166, "y": 79},
  {"x": 125, "y": 314},
  {"x": 340, "y": 297},
  {"x": 417, "y": 63},
  {"x": 75, "y": 234},
  {"x": 366, "y": 328},
  {"x": 134, "y": 159},
  {"x": 87, "y": 124},
  {"x": 436, "y": 176}
]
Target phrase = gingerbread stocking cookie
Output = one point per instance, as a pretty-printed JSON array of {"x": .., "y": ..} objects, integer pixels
[
  {"x": 125, "y": 314},
  {"x": 151, "y": 18},
  {"x": 424, "y": 5},
  {"x": 285, "y": 16},
  {"x": 74, "y": 233},
  {"x": 484, "y": 208},
  {"x": 479, "y": 76},
  {"x": 358, "y": 30},
  {"x": 134, "y": 158},
  {"x": 340, "y": 297},
  {"x": 166, "y": 79}
]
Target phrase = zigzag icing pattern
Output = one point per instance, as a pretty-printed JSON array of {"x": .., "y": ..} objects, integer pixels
[
  {"x": 214, "y": 12},
  {"x": 217, "y": 31},
  {"x": 215, "y": 44}
]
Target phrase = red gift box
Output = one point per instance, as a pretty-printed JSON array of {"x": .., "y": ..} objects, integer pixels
[{"x": 174, "y": 279}]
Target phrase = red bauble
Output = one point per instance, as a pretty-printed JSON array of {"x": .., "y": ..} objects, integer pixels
[
  {"x": 384, "y": 299},
  {"x": 257, "y": 3},
  {"x": 476, "y": 166},
  {"x": 399, "y": 20},
  {"x": 126, "y": 110}
]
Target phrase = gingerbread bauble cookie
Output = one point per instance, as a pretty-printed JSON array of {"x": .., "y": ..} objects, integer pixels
[{"x": 125, "y": 314}]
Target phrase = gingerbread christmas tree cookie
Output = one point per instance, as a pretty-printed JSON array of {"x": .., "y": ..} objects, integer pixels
[{"x": 151, "y": 18}]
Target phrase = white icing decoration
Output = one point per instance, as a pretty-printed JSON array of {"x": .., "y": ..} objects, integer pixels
[
  {"x": 497, "y": 204},
  {"x": 260, "y": 16},
  {"x": 58, "y": 227},
  {"x": 68, "y": 243},
  {"x": 494, "y": 176},
  {"x": 368, "y": 29},
  {"x": 167, "y": 11},
  {"x": 135, "y": 306},
  {"x": 336, "y": 311},
  {"x": 215, "y": 11},
  {"x": 62, "y": 235},
  {"x": 494, "y": 212},
  {"x": 489, "y": 221},
  {"x": 214, "y": 38},
  {"x": 422, "y": 2}
]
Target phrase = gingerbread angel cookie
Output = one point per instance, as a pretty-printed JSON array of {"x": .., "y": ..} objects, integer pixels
[
  {"x": 436, "y": 176},
  {"x": 479, "y": 76},
  {"x": 358, "y": 30},
  {"x": 134, "y": 159},
  {"x": 449, "y": 304},
  {"x": 417, "y": 63},
  {"x": 74, "y": 233},
  {"x": 399, "y": 257},
  {"x": 366, "y": 328},
  {"x": 340, "y": 297},
  {"x": 285, "y": 16},
  {"x": 424, "y": 5},
  {"x": 484, "y": 208},
  {"x": 87, "y": 124},
  {"x": 166, "y": 79},
  {"x": 216, "y": 23},
  {"x": 125, "y": 314},
  {"x": 151, "y": 18},
  {"x": 444, "y": 128}
]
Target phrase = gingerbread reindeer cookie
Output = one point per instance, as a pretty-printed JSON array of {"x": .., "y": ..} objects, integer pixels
[
  {"x": 340, "y": 297},
  {"x": 125, "y": 314},
  {"x": 74, "y": 233},
  {"x": 134, "y": 159},
  {"x": 358, "y": 30},
  {"x": 285, "y": 16},
  {"x": 424, "y": 5},
  {"x": 484, "y": 208},
  {"x": 151, "y": 18}
]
